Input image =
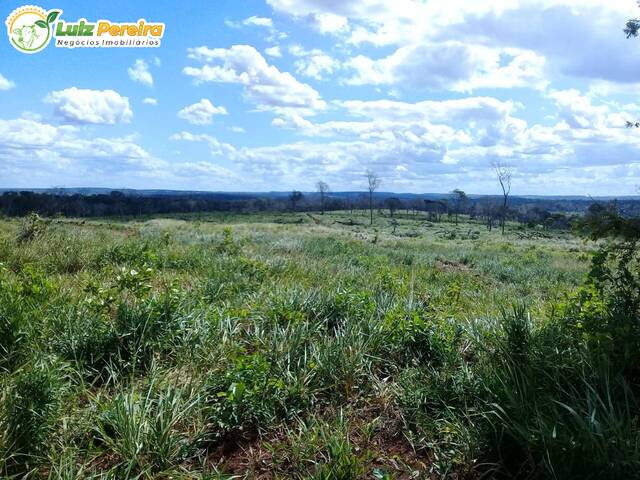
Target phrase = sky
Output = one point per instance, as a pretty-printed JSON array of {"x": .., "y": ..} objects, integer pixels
[{"x": 279, "y": 94}]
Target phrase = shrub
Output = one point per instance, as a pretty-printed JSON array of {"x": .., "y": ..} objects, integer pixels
[
  {"x": 248, "y": 395},
  {"x": 133, "y": 254},
  {"x": 413, "y": 338},
  {"x": 32, "y": 227},
  {"x": 228, "y": 245}
]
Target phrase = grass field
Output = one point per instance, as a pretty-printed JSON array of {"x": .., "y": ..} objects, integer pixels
[{"x": 291, "y": 346}]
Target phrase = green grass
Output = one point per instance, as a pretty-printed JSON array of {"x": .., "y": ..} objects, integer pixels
[{"x": 295, "y": 346}]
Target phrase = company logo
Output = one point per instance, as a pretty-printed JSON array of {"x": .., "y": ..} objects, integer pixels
[{"x": 31, "y": 28}]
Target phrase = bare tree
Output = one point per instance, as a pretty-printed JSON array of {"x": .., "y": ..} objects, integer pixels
[
  {"x": 504, "y": 173},
  {"x": 323, "y": 190},
  {"x": 373, "y": 183},
  {"x": 489, "y": 210}
]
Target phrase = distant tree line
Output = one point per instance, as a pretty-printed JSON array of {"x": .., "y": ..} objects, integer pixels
[{"x": 489, "y": 211}]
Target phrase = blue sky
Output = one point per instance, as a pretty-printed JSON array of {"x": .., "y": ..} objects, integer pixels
[{"x": 278, "y": 94}]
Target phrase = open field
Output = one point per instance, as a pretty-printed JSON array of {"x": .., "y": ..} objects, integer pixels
[{"x": 283, "y": 346}]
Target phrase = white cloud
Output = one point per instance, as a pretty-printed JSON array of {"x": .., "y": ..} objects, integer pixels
[
  {"x": 448, "y": 111},
  {"x": 150, "y": 101},
  {"x": 258, "y": 22},
  {"x": 23, "y": 133},
  {"x": 253, "y": 21},
  {"x": 451, "y": 65},
  {"x": 201, "y": 113},
  {"x": 261, "y": 22},
  {"x": 313, "y": 63},
  {"x": 42, "y": 152},
  {"x": 273, "y": 51},
  {"x": 569, "y": 38},
  {"x": 263, "y": 84},
  {"x": 75, "y": 105},
  {"x": 215, "y": 146},
  {"x": 140, "y": 73},
  {"x": 413, "y": 49},
  {"x": 330, "y": 23},
  {"x": 578, "y": 111},
  {"x": 5, "y": 84},
  {"x": 426, "y": 145}
]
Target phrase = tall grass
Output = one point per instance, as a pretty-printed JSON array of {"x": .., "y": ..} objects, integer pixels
[{"x": 191, "y": 349}]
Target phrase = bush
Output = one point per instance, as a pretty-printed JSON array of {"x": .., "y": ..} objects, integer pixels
[
  {"x": 248, "y": 395},
  {"x": 413, "y": 338}
]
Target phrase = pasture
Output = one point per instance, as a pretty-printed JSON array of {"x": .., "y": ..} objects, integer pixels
[{"x": 293, "y": 346}]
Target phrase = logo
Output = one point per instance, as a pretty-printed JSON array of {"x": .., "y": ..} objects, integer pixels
[{"x": 31, "y": 28}]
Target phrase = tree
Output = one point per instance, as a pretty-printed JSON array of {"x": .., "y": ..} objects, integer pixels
[
  {"x": 632, "y": 29},
  {"x": 373, "y": 183},
  {"x": 393, "y": 204},
  {"x": 504, "y": 173},
  {"x": 460, "y": 200},
  {"x": 416, "y": 205},
  {"x": 434, "y": 208},
  {"x": 295, "y": 197},
  {"x": 489, "y": 209},
  {"x": 323, "y": 190}
]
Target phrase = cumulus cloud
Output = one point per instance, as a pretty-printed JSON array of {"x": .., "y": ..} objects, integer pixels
[
  {"x": 273, "y": 51},
  {"x": 40, "y": 152},
  {"x": 432, "y": 52},
  {"x": 446, "y": 111},
  {"x": 140, "y": 73},
  {"x": 330, "y": 23},
  {"x": 428, "y": 144},
  {"x": 150, "y": 101},
  {"x": 579, "y": 40},
  {"x": 263, "y": 84},
  {"x": 563, "y": 37},
  {"x": 253, "y": 21},
  {"x": 474, "y": 120},
  {"x": 265, "y": 23},
  {"x": 380, "y": 22},
  {"x": 25, "y": 134},
  {"x": 451, "y": 65},
  {"x": 201, "y": 113},
  {"x": 5, "y": 84},
  {"x": 258, "y": 21},
  {"x": 75, "y": 105},
  {"x": 313, "y": 63},
  {"x": 578, "y": 111},
  {"x": 215, "y": 146}
]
